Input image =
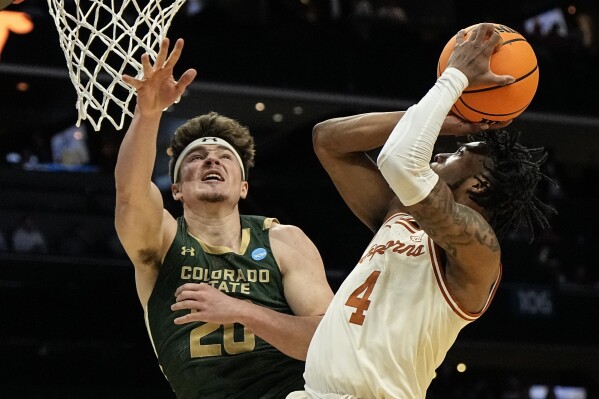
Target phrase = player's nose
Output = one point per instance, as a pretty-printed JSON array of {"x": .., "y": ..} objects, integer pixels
[{"x": 440, "y": 158}]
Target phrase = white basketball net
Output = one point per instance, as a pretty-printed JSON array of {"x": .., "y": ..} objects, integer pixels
[{"x": 101, "y": 41}]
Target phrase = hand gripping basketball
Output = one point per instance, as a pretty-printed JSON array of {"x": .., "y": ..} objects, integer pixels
[{"x": 494, "y": 103}]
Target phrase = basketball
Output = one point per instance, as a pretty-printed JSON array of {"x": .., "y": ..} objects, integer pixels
[{"x": 515, "y": 57}]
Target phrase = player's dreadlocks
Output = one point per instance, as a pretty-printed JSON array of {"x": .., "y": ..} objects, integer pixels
[{"x": 511, "y": 178}]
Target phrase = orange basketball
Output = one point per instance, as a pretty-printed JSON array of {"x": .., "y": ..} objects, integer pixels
[{"x": 513, "y": 57}]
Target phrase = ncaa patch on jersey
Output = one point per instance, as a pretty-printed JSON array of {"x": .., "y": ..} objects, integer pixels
[{"x": 259, "y": 254}]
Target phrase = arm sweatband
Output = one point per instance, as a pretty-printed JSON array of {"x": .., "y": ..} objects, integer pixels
[{"x": 405, "y": 158}]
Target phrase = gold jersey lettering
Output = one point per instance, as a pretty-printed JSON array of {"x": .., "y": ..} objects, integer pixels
[
  {"x": 252, "y": 276},
  {"x": 245, "y": 288},
  {"x": 240, "y": 275},
  {"x": 264, "y": 276},
  {"x": 198, "y": 273},
  {"x": 199, "y": 348},
  {"x": 226, "y": 280},
  {"x": 223, "y": 286},
  {"x": 216, "y": 275},
  {"x": 229, "y": 275},
  {"x": 186, "y": 273}
]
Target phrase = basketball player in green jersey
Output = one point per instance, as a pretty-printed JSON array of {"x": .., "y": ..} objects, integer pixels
[{"x": 224, "y": 294}]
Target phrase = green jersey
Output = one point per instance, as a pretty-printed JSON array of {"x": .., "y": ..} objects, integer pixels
[{"x": 208, "y": 360}]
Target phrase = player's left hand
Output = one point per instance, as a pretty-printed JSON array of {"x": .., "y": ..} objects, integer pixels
[
  {"x": 456, "y": 126},
  {"x": 158, "y": 89},
  {"x": 207, "y": 304}
]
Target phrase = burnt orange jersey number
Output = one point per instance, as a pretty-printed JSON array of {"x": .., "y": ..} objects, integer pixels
[{"x": 361, "y": 303}]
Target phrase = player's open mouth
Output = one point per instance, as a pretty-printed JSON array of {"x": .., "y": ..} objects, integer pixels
[{"x": 213, "y": 177}]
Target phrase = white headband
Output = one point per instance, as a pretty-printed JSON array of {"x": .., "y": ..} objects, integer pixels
[{"x": 206, "y": 141}]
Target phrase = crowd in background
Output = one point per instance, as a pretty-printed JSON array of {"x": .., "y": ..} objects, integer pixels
[{"x": 561, "y": 255}]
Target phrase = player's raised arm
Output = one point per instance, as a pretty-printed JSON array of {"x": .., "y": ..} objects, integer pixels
[
  {"x": 139, "y": 208},
  {"x": 438, "y": 197}
]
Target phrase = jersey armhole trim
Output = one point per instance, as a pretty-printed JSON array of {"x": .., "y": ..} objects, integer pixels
[{"x": 442, "y": 283}]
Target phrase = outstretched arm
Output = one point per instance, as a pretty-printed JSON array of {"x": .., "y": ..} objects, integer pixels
[{"x": 139, "y": 215}]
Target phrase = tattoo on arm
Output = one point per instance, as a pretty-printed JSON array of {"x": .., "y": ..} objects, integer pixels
[{"x": 450, "y": 224}]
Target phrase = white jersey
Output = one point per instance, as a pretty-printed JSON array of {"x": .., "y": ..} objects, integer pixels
[{"x": 390, "y": 323}]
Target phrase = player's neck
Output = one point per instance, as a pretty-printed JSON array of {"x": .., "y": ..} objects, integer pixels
[{"x": 216, "y": 228}]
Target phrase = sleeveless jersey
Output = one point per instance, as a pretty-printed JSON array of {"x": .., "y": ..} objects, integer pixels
[
  {"x": 208, "y": 360},
  {"x": 391, "y": 321}
]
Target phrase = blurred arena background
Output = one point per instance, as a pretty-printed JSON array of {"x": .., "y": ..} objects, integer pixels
[{"x": 72, "y": 326}]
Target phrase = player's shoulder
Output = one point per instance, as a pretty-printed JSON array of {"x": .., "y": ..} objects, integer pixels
[
  {"x": 291, "y": 237},
  {"x": 287, "y": 233},
  {"x": 281, "y": 229},
  {"x": 258, "y": 221}
]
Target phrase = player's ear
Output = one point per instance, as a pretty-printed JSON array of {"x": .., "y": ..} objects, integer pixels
[
  {"x": 177, "y": 194},
  {"x": 244, "y": 189},
  {"x": 478, "y": 185}
]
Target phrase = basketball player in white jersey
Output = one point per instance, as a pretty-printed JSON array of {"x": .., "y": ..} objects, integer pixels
[{"x": 434, "y": 264}]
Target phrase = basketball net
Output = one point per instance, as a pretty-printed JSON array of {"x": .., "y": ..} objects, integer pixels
[{"x": 101, "y": 41}]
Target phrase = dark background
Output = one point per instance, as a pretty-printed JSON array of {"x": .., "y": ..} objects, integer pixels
[{"x": 72, "y": 324}]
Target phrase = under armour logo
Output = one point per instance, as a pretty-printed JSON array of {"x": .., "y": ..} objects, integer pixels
[
  {"x": 190, "y": 251},
  {"x": 205, "y": 139}
]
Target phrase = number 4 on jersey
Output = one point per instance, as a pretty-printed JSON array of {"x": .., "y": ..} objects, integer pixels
[{"x": 361, "y": 303}]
